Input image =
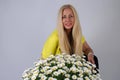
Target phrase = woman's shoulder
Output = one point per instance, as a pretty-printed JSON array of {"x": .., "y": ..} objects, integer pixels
[
  {"x": 83, "y": 39},
  {"x": 54, "y": 35}
]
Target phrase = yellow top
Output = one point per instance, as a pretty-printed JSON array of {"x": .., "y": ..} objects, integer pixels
[{"x": 51, "y": 46}]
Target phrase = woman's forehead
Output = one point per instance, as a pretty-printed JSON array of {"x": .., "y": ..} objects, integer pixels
[{"x": 67, "y": 10}]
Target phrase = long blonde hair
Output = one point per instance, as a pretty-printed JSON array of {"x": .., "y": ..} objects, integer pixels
[{"x": 76, "y": 33}]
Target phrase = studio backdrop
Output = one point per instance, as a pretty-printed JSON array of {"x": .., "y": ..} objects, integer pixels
[{"x": 26, "y": 24}]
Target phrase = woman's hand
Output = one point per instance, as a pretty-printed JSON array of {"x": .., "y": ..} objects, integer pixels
[{"x": 90, "y": 57}]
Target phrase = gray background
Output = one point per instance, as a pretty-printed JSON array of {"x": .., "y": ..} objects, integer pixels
[{"x": 26, "y": 24}]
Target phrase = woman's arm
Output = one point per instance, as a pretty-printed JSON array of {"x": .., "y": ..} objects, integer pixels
[
  {"x": 88, "y": 51},
  {"x": 86, "y": 48},
  {"x": 50, "y": 45}
]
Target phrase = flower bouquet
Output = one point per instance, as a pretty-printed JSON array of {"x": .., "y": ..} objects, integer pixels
[{"x": 62, "y": 67}]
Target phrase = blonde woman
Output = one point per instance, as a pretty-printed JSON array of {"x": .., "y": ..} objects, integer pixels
[{"x": 67, "y": 38}]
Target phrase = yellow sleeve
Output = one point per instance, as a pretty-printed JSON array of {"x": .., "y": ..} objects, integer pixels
[
  {"x": 50, "y": 45},
  {"x": 83, "y": 39}
]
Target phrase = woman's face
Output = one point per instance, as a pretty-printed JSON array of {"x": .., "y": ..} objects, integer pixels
[{"x": 68, "y": 19}]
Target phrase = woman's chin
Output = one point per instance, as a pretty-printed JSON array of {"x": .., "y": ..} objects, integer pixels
[{"x": 68, "y": 27}]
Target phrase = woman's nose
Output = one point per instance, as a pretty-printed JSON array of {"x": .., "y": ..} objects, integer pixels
[{"x": 68, "y": 19}]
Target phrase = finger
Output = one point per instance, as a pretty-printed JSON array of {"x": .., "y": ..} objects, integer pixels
[
  {"x": 93, "y": 61},
  {"x": 90, "y": 59}
]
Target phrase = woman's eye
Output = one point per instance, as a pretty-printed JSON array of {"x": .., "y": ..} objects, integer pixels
[
  {"x": 64, "y": 17},
  {"x": 70, "y": 16}
]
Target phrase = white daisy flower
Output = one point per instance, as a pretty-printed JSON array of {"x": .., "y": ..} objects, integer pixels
[{"x": 74, "y": 77}]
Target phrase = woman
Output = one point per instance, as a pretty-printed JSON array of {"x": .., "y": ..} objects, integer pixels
[{"x": 68, "y": 37}]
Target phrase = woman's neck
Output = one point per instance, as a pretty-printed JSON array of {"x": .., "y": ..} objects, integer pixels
[
  {"x": 70, "y": 39},
  {"x": 68, "y": 32}
]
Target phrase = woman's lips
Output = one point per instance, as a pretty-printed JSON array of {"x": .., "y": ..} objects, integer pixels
[{"x": 68, "y": 24}]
